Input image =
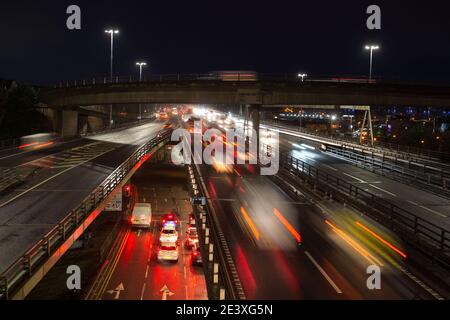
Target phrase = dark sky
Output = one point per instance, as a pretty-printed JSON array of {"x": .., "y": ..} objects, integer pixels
[{"x": 318, "y": 37}]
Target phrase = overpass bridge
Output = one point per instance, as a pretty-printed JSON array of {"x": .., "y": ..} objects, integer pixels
[{"x": 266, "y": 91}]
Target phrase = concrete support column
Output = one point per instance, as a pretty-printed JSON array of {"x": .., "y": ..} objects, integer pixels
[
  {"x": 256, "y": 109},
  {"x": 69, "y": 123}
]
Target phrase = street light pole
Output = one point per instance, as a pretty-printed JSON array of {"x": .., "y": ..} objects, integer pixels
[
  {"x": 302, "y": 75},
  {"x": 140, "y": 65},
  {"x": 371, "y": 48},
  {"x": 112, "y": 32}
]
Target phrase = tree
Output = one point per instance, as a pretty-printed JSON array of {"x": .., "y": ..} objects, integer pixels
[{"x": 18, "y": 115}]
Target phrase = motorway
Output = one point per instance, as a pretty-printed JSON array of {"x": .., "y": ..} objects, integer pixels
[
  {"x": 261, "y": 223},
  {"x": 69, "y": 170},
  {"x": 134, "y": 272},
  {"x": 425, "y": 204}
]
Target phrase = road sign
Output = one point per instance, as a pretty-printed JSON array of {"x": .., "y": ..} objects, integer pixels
[
  {"x": 116, "y": 203},
  {"x": 198, "y": 201}
]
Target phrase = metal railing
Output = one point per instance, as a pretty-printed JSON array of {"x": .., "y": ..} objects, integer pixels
[
  {"x": 238, "y": 77},
  {"x": 411, "y": 161},
  {"x": 430, "y": 238},
  {"x": 441, "y": 180},
  {"x": 25, "y": 266},
  {"x": 390, "y": 149}
]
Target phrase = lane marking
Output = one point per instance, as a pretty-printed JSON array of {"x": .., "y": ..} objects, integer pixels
[
  {"x": 385, "y": 191},
  {"x": 330, "y": 167},
  {"x": 428, "y": 209},
  {"x": 419, "y": 282},
  {"x": 47, "y": 180},
  {"x": 146, "y": 271},
  {"x": 324, "y": 274},
  {"x": 357, "y": 179},
  {"x": 143, "y": 291},
  {"x": 111, "y": 270}
]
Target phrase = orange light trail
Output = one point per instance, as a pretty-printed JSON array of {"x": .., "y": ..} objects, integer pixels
[
  {"x": 352, "y": 243},
  {"x": 381, "y": 239},
  {"x": 288, "y": 226},
  {"x": 43, "y": 145},
  {"x": 250, "y": 223},
  {"x": 27, "y": 145}
]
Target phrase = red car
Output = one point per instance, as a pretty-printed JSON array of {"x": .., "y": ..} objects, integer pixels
[
  {"x": 170, "y": 217},
  {"x": 196, "y": 256}
]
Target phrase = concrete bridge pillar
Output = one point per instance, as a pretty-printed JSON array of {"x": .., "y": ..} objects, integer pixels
[
  {"x": 256, "y": 113},
  {"x": 68, "y": 124}
]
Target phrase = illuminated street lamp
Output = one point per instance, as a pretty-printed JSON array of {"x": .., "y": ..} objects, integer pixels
[
  {"x": 302, "y": 75},
  {"x": 372, "y": 48},
  {"x": 140, "y": 65},
  {"x": 112, "y": 32}
]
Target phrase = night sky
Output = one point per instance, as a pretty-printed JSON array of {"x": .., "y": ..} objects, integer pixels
[{"x": 316, "y": 37}]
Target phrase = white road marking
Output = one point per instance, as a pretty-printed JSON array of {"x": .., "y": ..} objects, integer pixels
[
  {"x": 143, "y": 291},
  {"x": 47, "y": 180},
  {"x": 419, "y": 282},
  {"x": 428, "y": 209},
  {"x": 324, "y": 274},
  {"x": 357, "y": 179},
  {"x": 329, "y": 167},
  {"x": 146, "y": 272},
  {"x": 385, "y": 191}
]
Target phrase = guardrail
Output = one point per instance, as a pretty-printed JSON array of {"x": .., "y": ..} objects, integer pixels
[
  {"x": 422, "y": 179},
  {"x": 25, "y": 267},
  {"x": 213, "y": 76},
  {"x": 431, "y": 239},
  {"x": 222, "y": 280},
  {"x": 395, "y": 150},
  {"x": 411, "y": 161}
]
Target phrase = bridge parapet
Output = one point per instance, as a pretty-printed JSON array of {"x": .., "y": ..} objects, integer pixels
[{"x": 265, "y": 90}]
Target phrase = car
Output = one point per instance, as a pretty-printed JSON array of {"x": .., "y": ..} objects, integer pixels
[
  {"x": 168, "y": 252},
  {"x": 141, "y": 215},
  {"x": 191, "y": 220},
  {"x": 169, "y": 233},
  {"x": 196, "y": 256},
  {"x": 191, "y": 238},
  {"x": 172, "y": 216}
]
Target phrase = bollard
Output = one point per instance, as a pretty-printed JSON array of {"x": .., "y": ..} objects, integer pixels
[{"x": 222, "y": 294}]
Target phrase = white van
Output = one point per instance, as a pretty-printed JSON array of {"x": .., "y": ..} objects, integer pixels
[{"x": 141, "y": 215}]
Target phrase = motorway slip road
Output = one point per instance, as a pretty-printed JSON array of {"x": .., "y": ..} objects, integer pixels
[{"x": 66, "y": 175}]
